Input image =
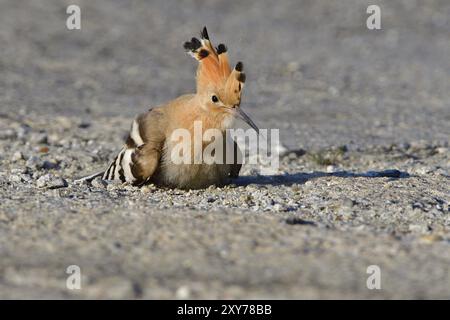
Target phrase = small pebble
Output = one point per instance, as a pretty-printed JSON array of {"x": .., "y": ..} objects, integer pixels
[
  {"x": 34, "y": 163},
  {"x": 183, "y": 292},
  {"x": 7, "y": 134},
  {"x": 15, "y": 178},
  {"x": 17, "y": 156},
  {"x": 296, "y": 220},
  {"x": 48, "y": 165},
  {"x": 51, "y": 182},
  {"x": 19, "y": 170},
  {"x": 348, "y": 203},
  {"x": 99, "y": 183},
  {"x": 39, "y": 138}
]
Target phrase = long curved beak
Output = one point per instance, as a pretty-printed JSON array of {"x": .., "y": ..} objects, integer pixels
[{"x": 243, "y": 116}]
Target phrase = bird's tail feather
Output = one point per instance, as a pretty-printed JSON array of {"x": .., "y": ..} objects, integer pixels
[{"x": 90, "y": 177}]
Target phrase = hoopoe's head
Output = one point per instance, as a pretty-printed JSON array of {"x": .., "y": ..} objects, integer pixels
[{"x": 219, "y": 87}]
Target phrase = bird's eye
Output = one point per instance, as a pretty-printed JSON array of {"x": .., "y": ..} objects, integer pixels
[{"x": 214, "y": 99}]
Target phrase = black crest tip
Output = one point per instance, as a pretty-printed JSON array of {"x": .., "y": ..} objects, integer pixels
[
  {"x": 187, "y": 46},
  {"x": 204, "y": 33},
  {"x": 239, "y": 66},
  {"x": 241, "y": 77},
  {"x": 196, "y": 43},
  {"x": 192, "y": 45},
  {"x": 221, "y": 49}
]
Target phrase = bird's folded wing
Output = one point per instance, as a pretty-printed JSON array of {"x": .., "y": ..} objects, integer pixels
[{"x": 148, "y": 135}]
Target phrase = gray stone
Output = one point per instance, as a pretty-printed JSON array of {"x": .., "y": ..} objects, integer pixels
[
  {"x": 99, "y": 183},
  {"x": 34, "y": 163},
  {"x": 51, "y": 182},
  {"x": 7, "y": 134},
  {"x": 15, "y": 178},
  {"x": 17, "y": 156}
]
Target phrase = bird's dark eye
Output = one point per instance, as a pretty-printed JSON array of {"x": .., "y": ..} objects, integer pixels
[{"x": 214, "y": 99}]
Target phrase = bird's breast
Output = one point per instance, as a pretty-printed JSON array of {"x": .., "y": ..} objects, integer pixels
[{"x": 191, "y": 167}]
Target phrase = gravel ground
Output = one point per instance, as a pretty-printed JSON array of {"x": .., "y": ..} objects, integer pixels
[{"x": 364, "y": 116}]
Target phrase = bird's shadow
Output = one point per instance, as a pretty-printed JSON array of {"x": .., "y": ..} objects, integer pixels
[{"x": 300, "y": 178}]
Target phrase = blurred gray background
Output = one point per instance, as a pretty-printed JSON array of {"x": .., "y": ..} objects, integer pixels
[{"x": 313, "y": 68}]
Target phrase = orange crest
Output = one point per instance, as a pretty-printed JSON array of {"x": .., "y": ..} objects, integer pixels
[{"x": 214, "y": 72}]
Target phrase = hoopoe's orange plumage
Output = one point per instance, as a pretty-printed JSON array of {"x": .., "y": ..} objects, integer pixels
[
  {"x": 214, "y": 72},
  {"x": 146, "y": 155}
]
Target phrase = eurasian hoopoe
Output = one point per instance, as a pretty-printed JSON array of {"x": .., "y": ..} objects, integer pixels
[{"x": 146, "y": 155}]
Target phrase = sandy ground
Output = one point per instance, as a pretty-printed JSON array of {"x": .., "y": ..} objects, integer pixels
[{"x": 365, "y": 181}]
